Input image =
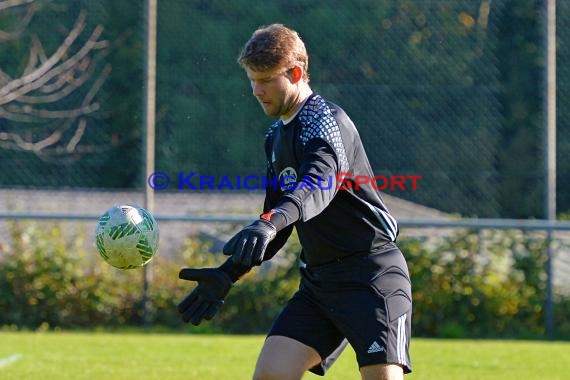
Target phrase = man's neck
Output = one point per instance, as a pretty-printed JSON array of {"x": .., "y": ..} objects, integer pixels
[{"x": 304, "y": 92}]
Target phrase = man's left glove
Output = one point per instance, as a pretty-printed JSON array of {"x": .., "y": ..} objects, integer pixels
[
  {"x": 248, "y": 246},
  {"x": 206, "y": 299}
]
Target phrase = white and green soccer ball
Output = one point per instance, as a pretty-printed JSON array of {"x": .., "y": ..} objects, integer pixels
[{"x": 127, "y": 236}]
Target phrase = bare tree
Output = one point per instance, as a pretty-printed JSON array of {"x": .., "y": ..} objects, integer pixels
[{"x": 45, "y": 109}]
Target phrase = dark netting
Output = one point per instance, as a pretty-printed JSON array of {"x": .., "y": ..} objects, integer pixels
[
  {"x": 70, "y": 93},
  {"x": 449, "y": 90},
  {"x": 563, "y": 106}
]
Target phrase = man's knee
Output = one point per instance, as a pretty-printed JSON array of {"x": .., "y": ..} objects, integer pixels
[
  {"x": 382, "y": 372},
  {"x": 274, "y": 371},
  {"x": 283, "y": 358}
]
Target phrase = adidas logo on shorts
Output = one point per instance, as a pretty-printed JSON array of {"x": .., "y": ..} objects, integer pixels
[{"x": 375, "y": 347}]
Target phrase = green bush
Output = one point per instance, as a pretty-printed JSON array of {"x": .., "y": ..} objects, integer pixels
[
  {"x": 470, "y": 284},
  {"x": 478, "y": 284},
  {"x": 49, "y": 279}
]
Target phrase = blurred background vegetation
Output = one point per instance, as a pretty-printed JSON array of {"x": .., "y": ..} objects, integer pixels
[
  {"x": 469, "y": 284},
  {"x": 450, "y": 90}
]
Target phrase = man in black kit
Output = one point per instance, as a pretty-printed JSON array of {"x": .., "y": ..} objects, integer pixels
[{"x": 355, "y": 287}]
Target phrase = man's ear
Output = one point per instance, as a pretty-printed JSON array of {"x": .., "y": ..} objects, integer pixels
[{"x": 296, "y": 74}]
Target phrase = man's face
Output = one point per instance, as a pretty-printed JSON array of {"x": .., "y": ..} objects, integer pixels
[{"x": 274, "y": 90}]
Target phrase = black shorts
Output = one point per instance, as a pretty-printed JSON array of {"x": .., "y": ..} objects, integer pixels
[{"x": 364, "y": 299}]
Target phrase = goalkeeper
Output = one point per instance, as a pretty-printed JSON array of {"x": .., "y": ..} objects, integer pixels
[{"x": 355, "y": 287}]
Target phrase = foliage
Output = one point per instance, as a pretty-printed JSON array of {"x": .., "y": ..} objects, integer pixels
[
  {"x": 49, "y": 279},
  {"x": 521, "y": 65},
  {"x": 479, "y": 284},
  {"x": 486, "y": 283},
  {"x": 410, "y": 74},
  {"x": 451, "y": 90}
]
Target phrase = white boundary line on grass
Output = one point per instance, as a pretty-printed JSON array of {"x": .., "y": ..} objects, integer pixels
[{"x": 4, "y": 362}]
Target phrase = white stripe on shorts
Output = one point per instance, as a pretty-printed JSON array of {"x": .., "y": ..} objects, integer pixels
[{"x": 401, "y": 340}]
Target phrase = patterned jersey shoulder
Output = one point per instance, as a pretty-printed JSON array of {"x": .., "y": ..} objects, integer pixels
[
  {"x": 271, "y": 130},
  {"x": 318, "y": 121}
]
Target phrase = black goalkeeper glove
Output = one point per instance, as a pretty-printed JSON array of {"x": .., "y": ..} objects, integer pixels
[
  {"x": 248, "y": 246},
  {"x": 206, "y": 299}
]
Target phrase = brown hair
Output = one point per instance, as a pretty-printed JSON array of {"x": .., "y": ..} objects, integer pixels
[{"x": 274, "y": 46}]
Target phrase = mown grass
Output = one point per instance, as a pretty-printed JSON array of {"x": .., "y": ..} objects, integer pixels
[{"x": 120, "y": 356}]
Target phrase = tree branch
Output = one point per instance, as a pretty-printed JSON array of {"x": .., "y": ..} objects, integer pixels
[
  {"x": 41, "y": 95},
  {"x": 6, "y": 4}
]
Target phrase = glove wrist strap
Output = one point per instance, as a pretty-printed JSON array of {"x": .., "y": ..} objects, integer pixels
[
  {"x": 275, "y": 217},
  {"x": 234, "y": 270}
]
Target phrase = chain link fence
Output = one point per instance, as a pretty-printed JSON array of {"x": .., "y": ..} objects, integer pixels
[
  {"x": 420, "y": 79},
  {"x": 563, "y": 99},
  {"x": 452, "y": 91},
  {"x": 70, "y": 93}
]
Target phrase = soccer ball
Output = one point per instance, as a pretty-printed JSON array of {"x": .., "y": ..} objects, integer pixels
[{"x": 127, "y": 236}]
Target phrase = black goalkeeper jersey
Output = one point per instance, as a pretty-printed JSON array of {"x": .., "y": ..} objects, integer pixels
[{"x": 314, "y": 160}]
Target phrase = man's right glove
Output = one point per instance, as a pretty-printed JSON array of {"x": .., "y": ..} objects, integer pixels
[
  {"x": 248, "y": 246},
  {"x": 206, "y": 299}
]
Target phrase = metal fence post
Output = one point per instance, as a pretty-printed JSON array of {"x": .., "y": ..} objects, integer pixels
[
  {"x": 550, "y": 151},
  {"x": 149, "y": 130}
]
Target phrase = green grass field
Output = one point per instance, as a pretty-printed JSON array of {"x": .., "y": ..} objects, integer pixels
[{"x": 109, "y": 356}]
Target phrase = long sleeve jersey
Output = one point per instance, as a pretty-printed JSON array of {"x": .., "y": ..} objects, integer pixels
[{"x": 314, "y": 160}]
